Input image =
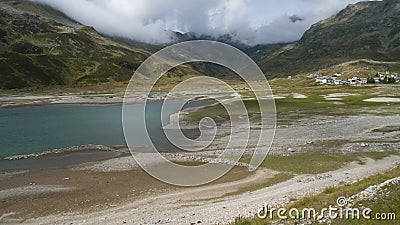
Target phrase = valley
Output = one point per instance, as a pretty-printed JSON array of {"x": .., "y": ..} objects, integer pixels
[{"x": 65, "y": 158}]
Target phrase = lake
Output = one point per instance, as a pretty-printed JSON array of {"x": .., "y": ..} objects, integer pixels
[{"x": 41, "y": 128}]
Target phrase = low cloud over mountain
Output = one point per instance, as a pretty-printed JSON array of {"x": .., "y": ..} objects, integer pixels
[{"x": 250, "y": 22}]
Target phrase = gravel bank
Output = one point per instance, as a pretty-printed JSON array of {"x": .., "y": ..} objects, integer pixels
[{"x": 186, "y": 207}]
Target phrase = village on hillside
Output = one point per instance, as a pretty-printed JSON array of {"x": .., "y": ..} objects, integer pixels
[{"x": 336, "y": 79}]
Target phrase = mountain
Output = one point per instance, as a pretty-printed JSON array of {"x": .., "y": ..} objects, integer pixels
[
  {"x": 40, "y": 46},
  {"x": 365, "y": 30}
]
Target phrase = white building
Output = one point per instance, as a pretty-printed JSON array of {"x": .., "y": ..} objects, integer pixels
[
  {"x": 324, "y": 80},
  {"x": 363, "y": 80},
  {"x": 339, "y": 82},
  {"x": 354, "y": 81}
]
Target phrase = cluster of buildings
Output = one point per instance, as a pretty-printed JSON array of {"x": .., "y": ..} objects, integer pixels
[
  {"x": 336, "y": 79},
  {"x": 387, "y": 78}
]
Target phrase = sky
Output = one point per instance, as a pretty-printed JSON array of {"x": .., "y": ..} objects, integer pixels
[{"x": 248, "y": 21}]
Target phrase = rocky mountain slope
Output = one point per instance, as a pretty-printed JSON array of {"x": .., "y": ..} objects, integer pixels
[
  {"x": 365, "y": 30},
  {"x": 40, "y": 46}
]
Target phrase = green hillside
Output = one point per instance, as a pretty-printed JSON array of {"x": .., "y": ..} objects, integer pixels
[
  {"x": 40, "y": 46},
  {"x": 365, "y": 30}
]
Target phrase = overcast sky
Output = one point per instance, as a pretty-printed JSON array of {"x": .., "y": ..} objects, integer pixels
[{"x": 249, "y": 21}]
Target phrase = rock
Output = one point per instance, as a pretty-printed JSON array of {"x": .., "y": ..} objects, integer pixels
[
  {"x": 364, "y": 145},
  {"x": 310, "y": 179}
]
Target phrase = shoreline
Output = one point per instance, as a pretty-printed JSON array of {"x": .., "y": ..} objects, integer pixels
[
  {"x": 74, "y": 199},
  {"x": 83, "y": 188},
  {"x": 82, "y": 102},
  {"x": 118, "y": 98},
  {"x": 59, "y": 151},
  {"x": 350, "y": 125},
  {"x": 115, "y": 189}
]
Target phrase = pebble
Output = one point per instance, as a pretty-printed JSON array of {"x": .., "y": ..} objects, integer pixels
[{"x": 373, "y": 190}]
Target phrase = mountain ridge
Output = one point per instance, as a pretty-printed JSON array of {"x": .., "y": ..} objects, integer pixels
[
  {"x": 363, "y": 30},
  {"x": 41, "y": 46}
]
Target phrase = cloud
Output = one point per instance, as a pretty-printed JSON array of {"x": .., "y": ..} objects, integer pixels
[{"x": 251, "y": 22}]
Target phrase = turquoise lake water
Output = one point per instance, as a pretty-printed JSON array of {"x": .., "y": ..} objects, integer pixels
[{"x": 36, "y": 129}]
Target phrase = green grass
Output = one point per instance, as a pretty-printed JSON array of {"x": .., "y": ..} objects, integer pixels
[
  {"x": 290, "y": 110},
  {"x": 317, "y": 162},
  {"x": 307, "y": 163},
  {"x": 387, "y": 129},
  {"x": 330, "y": 195},
  {"x": 389, "y": 203}
]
